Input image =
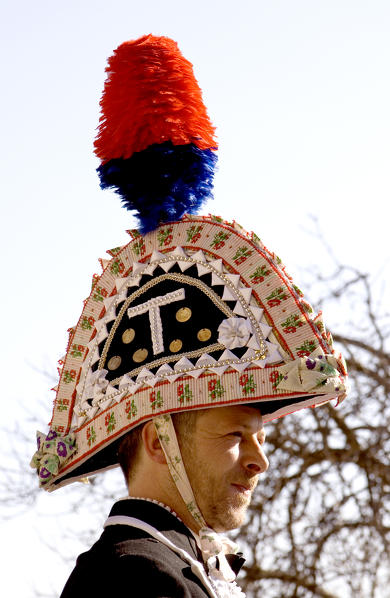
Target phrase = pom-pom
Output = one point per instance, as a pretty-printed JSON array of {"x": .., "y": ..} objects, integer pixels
[
  {"x": 162, "y": 182},
  {"x": 150, "y": 96}
]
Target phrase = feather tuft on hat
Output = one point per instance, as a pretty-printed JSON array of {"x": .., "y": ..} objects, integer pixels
[{"x": 155, "y": 140}]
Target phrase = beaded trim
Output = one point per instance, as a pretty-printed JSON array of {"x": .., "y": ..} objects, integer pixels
[
  {"x": 173, "y": 358},
  {"x": 155, "y": 502}
]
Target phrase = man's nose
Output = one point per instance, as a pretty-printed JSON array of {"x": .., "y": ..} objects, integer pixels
[{"x": 255, "y": 459}]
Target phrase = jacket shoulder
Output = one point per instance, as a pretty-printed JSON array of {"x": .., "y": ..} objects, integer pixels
[{"x": 140, "y": 562}]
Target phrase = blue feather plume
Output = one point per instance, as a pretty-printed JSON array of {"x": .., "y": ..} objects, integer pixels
[{"x": 162, "y": 182}]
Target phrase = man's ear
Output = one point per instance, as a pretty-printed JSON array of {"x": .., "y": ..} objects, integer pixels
[{"x": 152, "y": 444}]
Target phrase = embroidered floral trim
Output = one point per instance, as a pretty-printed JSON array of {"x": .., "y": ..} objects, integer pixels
[
  {"x": 259, "y": 274},
  {"x": 53, "y": 452},
  {"x": 156, "y": 399},
  {"x": 131, "y": 409},
  {"x": 215, "y": 388},
  {"x": 91, "y": 435},
  {"x": 248, "y": 384},
  {"x": 306, "y": 348},
  {"x": 184, "y": 394},
  {"x": 194, "y": 233},
  {"x": 165, "y": 236}
]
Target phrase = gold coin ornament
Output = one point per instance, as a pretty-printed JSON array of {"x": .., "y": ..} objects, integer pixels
[
  {"x": 175, "y": 346},
  {"x": 114, "y": 362},
  {"x": 204, "y": 334},
  {"x": 128, "y": 336},
  {"x": 140, "y": 355},
  {"x": 183, "y": 314}
]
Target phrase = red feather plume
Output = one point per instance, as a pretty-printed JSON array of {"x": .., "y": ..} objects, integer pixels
[{"x": 150, "y": 96}]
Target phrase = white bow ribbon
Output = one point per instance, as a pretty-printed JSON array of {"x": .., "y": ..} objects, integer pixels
[{"x": 214, "y": 548}]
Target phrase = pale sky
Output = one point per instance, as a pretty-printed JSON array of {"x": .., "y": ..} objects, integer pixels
[{"x": 299, "y": 92}]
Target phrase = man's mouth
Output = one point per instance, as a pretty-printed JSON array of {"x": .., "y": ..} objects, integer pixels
[{"x": 244, "y": 489}]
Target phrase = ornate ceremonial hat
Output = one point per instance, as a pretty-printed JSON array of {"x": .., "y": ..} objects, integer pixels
[{"x": 192, "y": 313}]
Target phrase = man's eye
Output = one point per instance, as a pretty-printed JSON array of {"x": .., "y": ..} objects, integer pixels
[{"x": 238, "y": 434}]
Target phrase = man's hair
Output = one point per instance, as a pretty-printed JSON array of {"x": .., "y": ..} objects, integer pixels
[
  {"x": 128, "y": 452},
  {"x": 129, "y": 447}
]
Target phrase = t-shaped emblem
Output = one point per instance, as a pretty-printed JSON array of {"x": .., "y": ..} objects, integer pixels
[{"x": 152, "y": 306}]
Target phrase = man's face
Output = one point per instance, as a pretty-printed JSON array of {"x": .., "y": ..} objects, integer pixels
[{"x": 223, "y": 459}]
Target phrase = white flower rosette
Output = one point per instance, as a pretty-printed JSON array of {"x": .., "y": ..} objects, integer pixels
[{"x": 234, "y": 332}]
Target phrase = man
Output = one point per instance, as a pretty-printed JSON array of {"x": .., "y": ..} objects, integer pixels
[
  {"x": 223, "y": 454},
  {"x": 192, "y": 337}
]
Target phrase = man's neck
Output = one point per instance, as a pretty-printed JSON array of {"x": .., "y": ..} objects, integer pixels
[{"x": 176, "y": 507}]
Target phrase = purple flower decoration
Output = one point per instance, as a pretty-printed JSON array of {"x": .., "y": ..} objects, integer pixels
[
  {"x": 310, "y": 364},
  {"x": 61, "y": 449},
  {"x": 53, "y": 452}
]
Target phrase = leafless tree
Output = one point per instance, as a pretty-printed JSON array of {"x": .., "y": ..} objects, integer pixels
[{"x": 319, "y": 525}]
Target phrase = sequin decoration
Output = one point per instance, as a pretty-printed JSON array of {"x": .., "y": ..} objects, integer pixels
[
  {"x": 204, "y": 335},
  {"x": 183, "y": 314},
  {"x": 114, "y": 362},
  {"x": 140, "y": 355},
  {"x": 175, "y": 345},
  {"x": 128, "y": 336}
]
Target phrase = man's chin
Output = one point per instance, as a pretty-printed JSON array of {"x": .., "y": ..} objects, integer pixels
[
  {"x": 229, "y": 524},
  {"x": 231, "y": 517}
]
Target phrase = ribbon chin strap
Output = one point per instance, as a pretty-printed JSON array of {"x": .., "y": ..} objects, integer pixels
[
  {"x": 168, "y": 439},
  {"x": 213, "y": 546}
]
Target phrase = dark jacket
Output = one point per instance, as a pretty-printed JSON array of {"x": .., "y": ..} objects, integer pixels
[{"x": 126, "y": 561}]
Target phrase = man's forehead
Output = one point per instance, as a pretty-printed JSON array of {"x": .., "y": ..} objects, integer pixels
[{"x": 240, "y": 415}]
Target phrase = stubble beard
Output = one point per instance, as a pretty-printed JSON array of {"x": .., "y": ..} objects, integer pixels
[
  {"x": 222, "y": 509},
  {"x": 230, "y": 514}
]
